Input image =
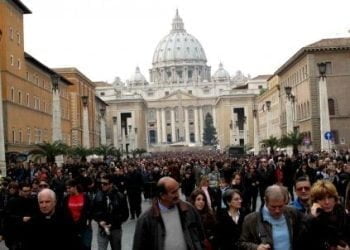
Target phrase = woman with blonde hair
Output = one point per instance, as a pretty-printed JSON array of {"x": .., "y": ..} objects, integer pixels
[{"x": 328, "y": 225}]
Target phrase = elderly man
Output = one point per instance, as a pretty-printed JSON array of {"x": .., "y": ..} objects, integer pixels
[
  {"x": 170, "y": 223},
  {"x": 49, "y": 229},
  {"x": 275, "y": 226}
]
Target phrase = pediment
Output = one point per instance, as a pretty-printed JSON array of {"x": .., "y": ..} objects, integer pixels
[{"x": 178, "y": 95}]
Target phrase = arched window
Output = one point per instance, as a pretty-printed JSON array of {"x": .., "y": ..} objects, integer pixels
[{"x": 331, "y": 106}]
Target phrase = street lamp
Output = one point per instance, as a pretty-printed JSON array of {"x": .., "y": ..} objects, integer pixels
[
  {"x": 288, "y": 91},
  {"x": 322, "y": 68},
  {"x": 85, "y": 98},
  {"x": 255, "y": 112},
  {"x": 103, "y": 112},
  {"x": 55, "y": 78}
]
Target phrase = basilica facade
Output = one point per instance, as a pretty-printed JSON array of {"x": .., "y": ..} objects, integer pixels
[{"x": 170, "y": 109}]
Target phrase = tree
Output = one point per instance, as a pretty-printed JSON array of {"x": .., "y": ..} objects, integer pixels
[
  {"x": 209, "y": 133},
  {"x": 49, "y": 150},
  {"x": 293, "y": 139},
  {"x": 271, "y": 143},
  {"x": 81, "y": 152},
  {"x": 107, "y": 150}
]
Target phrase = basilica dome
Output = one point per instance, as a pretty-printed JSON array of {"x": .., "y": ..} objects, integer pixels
[
  {"x": 221, "y": 74},
  {"x": 137, "y": 78},
  {"x": 178, "y": 47}
]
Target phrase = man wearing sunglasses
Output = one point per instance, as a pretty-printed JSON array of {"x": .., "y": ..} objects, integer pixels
[
  {"x": 110, "y": 210},
  {"x": 302, "y": 190}
]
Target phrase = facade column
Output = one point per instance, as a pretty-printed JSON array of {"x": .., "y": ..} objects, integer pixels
[
  {"x": 201, "y": 123},
  {"x": 196, "y": 129},
  {"x": 2, "y": 136},
  {"x": 86, "y": 136},
  {"x": 173, "y": 132},
  {"x": 103, "y": 127},
  {"x": 187, "y": 127},
  {"x": 256, "y": 132},
  {"x": 159, "y": 133},
  {"x": 115, "y": 132},
  {"x": 325, "y": 125},
  {"x": 163, "y": 127},
  {"x": 56, "y": 116},
  {"x": 214, "y": 115}
]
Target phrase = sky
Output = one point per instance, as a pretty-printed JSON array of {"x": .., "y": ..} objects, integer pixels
[{"x": 109, "y": 38}]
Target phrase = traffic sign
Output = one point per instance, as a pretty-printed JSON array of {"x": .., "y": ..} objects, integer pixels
[{"x": 328, "y": 135}]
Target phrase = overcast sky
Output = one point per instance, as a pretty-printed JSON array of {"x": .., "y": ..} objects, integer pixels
[{"x": 109, "y": 38}]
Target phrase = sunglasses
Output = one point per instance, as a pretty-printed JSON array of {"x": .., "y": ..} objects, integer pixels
[
  {"x": 303, "y": 188},
  {"x": 104, "y": 183},
  {"x": 44, "y": 186}
]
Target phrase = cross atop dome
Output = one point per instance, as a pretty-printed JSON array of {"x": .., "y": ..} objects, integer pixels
[{"x": 178, "y": 24}]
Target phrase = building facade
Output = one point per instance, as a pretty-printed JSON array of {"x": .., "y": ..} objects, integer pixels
[
  {"x": 301, "y": 110},
  {"x": 169, "y": 112}
]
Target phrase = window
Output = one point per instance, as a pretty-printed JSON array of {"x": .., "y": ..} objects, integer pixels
[
  {"x": 189, "y": 74},
  {"x": 102, "y": 93},
  {"x": 12, "y": 94},
  {"x": 11, "y": 33},
  {"x": 335, "y": 136},
  {"x": 331, "y": 106},
  {"x": 192, "y": 137},
  {"x": 13, "y": 136},
  {"x": 20, "y": 136},
  {"x": 18, "y": 38},
  {"x": 329, "y": 69},
  {"x": 29, "y": 136},
  {"x": 166, "y": 93},
  {"x": 27, "y": 75},
  {"x": 19, "y": 64},
  {"x": 190, "y": 92},
  {"x": 27, "y": 100},
  {"x": 11, "y": 60},
  {"x": 152, "y": 137},
  {"x": 19, "y": 97}
]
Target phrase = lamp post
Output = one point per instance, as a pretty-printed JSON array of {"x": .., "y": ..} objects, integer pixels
[
  {"x": 325, "y": 125},
  {"x": 256, "y": 132},
  {"x": 86, "y": 136},
  {"x": 289, "y": 114},
  {"x": 103, "y": 126},
  {"x": 268, "y": 108},
  {"x": 56, "y": 115},
  {"x": 2, "y": 135}
]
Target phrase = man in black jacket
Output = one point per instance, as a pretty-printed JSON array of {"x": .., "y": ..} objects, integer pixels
[{"x": 110, "y": 210}]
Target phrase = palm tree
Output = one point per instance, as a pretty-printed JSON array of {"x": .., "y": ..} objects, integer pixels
[
  {"x": 81, "y": 152},
  {"x": 49, "y": 150},
  {"x": 271, "y": 142},
  {"x": 107, "y": 150},
  {"x": 293, "y": 139}
]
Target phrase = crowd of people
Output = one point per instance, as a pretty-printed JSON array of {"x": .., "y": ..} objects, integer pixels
[{"x": 304, "y": 202}]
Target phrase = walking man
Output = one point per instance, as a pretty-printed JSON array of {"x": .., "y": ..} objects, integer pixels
[{"x": 170, "y": 223}]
